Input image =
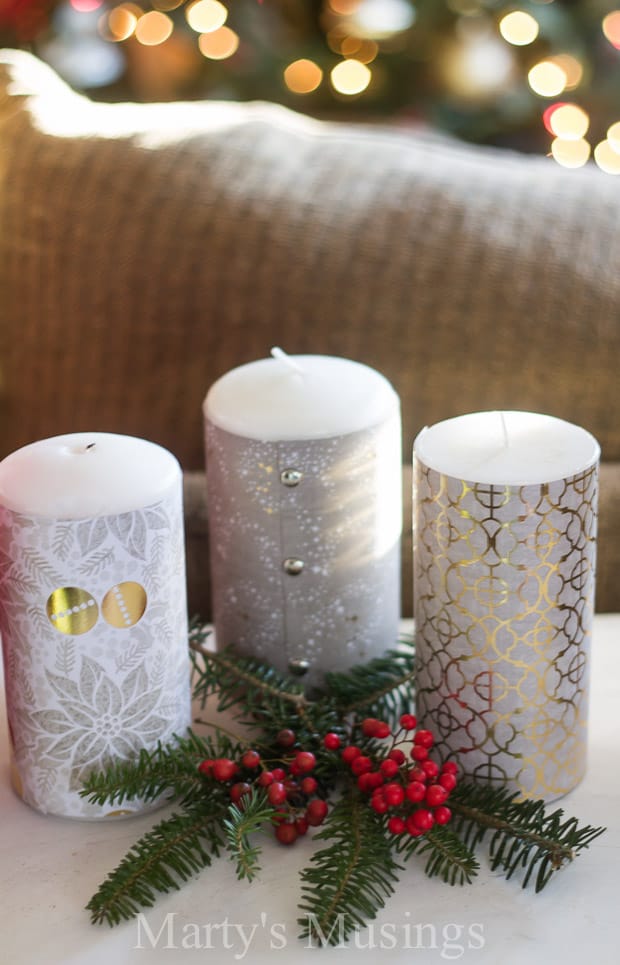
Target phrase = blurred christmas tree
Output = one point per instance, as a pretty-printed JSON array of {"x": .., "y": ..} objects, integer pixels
[{"x": 541, "y": 75}]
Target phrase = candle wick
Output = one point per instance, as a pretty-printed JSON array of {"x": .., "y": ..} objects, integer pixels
[
  {"x": 91, "y": 445},
  {"x": 505, "y": 431},
  {"x": 278, "y": 353}
]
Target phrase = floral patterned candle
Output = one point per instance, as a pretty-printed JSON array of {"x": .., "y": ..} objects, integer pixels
[
  {"x": 92, "y": 611},
  {"x": 504, "y": 553},
  {"x": 304, "y": 503}
]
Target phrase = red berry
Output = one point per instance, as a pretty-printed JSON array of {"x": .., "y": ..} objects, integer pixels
[
  {"x": 285, "y": 737},
  {"x": 361, "y": 764},
  {"x": 408, "y": 721},
  {"x": 419, "y": 753},
  {"x": 287, "y": 833},
  {"x": 417, "y": 774},
  {"x": 397, "y": 755},
  {"x": 350, "y": 753},
  {"x": 206, "y": 767},
  {"x": 316, "y": 811},
  {"x": 450, "y": 768},
  {"x": 430, "y": 769},
  {"x": 424, "y": 738},
  {"x": 369, "y": 726},
  {"x": 435, "y": 795},
  {"x": 278, "y": 774},
  {"x": 331, "y": 741},
  {"x": 394, "y": 794},
  {"x": 378, "y": 803},
  {"x": 238, "y": 790},
  {"x": 365, "y": 782},
  {"x": 305, "y": 761},
  {"x": 415, "y": 792},
  {"x": 302, "y": 826},
  {"x": 251, "y": 759},
  {"x": 447, "y": 781},
  {"x": 389, "y": 768},
  {"x": 383, "y": 730},
  {"x": 442, "y": 814},
  {"x": 224, "y": 769},
  {"x": 309, "y": 785},
  {"x": 294, "y": 769},
  {"x": 265, "y": 779},
  {"x": 423, "y": 819},
  {"x": 276, "y": 793},
  {"x": 396, "y": 825},
  {"x": 412, "y": 827},
  {"x": 375, "y": 779}
]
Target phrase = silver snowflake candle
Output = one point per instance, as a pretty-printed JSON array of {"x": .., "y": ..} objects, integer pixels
[
  {"x": 92, "y": 611},
  {"x": 504, "y": 554},
  {"x": 304, "y": 504}
]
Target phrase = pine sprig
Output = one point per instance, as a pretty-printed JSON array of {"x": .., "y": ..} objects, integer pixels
[
  {"x": 382, "y": 685},
  {"x": 173, "y": 851},
  {"x": 448, "y": 857},
  {"x": 244, "y": 820},
  {"x": 347, "y": 883},
  {"x": 524, "y": 835}
]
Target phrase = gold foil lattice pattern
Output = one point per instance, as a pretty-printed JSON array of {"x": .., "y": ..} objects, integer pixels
[{"x": 504, "y": 588}]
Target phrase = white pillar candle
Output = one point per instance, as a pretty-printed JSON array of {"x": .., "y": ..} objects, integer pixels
[
  {"x": 504, "y": 562},
  {"x": 304, "y": 502},
  {"x": 92, "y": 611}
]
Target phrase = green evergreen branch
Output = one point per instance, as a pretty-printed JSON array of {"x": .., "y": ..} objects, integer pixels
[
  {"x": 447, "y": 856},
  {"x": 383, "y": 685},
  {"x": 347, "y": 883},
  {"x": 525, "y": 836},
  {"x": 173, "y": 851},
  {"x": 247, "y": 818}
]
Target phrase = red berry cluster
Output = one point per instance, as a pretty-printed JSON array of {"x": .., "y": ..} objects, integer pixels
[
  {"x": 410, "y": 789},
  {"x": 291, "y": 789}
]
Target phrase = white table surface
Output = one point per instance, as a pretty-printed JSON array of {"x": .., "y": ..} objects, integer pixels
[{"x": 51, "y": 867}]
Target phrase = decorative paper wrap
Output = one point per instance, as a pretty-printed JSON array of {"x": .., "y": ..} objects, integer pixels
[
  {"x": 503, "y": 599},
  {"x": 342, "y": 521},
  {"x": 94, "y": 629}
]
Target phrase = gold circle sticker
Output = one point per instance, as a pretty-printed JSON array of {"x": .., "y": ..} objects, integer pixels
[
  {"x": 124, "y": 605},
  {"x": 72, "y": 610}
]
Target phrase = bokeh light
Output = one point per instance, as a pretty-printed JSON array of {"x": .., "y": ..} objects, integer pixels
[
  {"x": 519, "y": 28},
  {"x": 153, "y": 28},
  {"x": 350, "y": 77},
  {"x": 613, "y": 136},
  {"x": 611, "y": 28},
  {"x": 547, "y": 79},
  {"x": 86, "y": 6},
  {"x": 303, "y": 76},
  {"x": 206, "y": 15},
  {"x": 570, "y": 154},
  {"x": 219, "y": 44},
  {"x": 569, "y": 122},
  {"x": 607, "y": 158},
  {"x": 382, "y": 18},
  {"x": 572, "y": 67},
  {"x": 121, "y": 22}
]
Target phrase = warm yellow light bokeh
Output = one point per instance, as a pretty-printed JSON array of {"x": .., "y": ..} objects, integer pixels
[
  {"x": 303, "y": 76},
  {"x": 607, "y": 158},
  {"x": 519, "y": 28},
  {"x": 219, "y": 44},
  {"x": 569, "y": 122},
  {"x": 121, "y": 22},
  {"x": 153, "y": 28},
  {"x": 570, "y": 154},
  {"x": 344, "y": 7},
  {"x": 547, "y": 79},
  {"x": 206, "y": 15},
  {"x": 611, "y": 28},
  {"x": 350, "y": 77},
  {"x": 571, "y": 67},
  {"x": 613, "y": 136}
]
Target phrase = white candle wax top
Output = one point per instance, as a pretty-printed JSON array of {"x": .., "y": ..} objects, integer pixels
[
  {"x": 507, "y": 448},
  {"x": 299, "y": 397},
  {"x": 86, "y": 474}
]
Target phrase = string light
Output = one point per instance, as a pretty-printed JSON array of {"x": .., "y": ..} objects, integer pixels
[
  {"x": 611, "y": 28},
  {"x": 153, "y": 28},
  {"x": 350, "y": 77},
  {"x": 206, "y": 15},
  {"x": 519, "y": 28},
  {"x": 219, "y": 44},
  {"x": 303, "y": 76},
  {"x": 607, "y": 158},
  {"x": 547, "y": 79},
  {"x": 569, "y": 122},
  {"x": 570, "y": 154}
]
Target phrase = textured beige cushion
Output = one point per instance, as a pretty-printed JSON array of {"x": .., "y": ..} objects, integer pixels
[{"x": 145, "y": 250}]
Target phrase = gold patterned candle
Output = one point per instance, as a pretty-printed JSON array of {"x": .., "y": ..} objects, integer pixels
[
  {"x": 92, "y": 611},
  {"x": 304, "y": 501},
  {"x": 504, "y": 561}
]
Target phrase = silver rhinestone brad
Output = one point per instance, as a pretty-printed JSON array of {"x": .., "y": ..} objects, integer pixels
[
  {"x": 298, "y": 667},
  {"x": 291, "y": 477},
  {"x": 292, "y": 566}
]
